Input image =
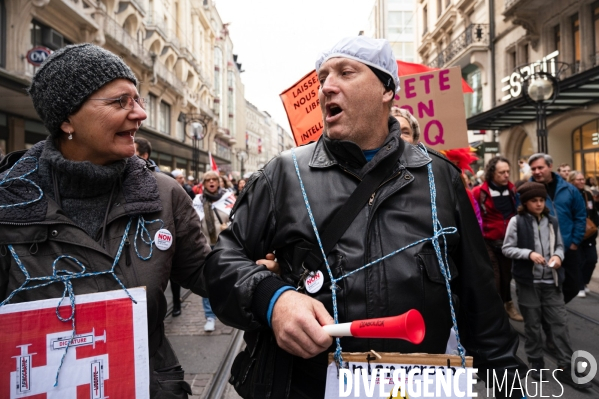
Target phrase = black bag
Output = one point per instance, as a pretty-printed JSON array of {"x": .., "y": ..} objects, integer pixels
[{"x": 262, "y": 370}]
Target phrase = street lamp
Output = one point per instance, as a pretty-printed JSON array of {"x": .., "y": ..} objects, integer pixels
[
  {"x": 196, "y": 131},
  {"x": 242, "y": 156},
  {"x": 541, "y": 89}
]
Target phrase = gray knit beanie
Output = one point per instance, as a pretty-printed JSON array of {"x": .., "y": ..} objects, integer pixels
[{"x": 68, "y": 77}]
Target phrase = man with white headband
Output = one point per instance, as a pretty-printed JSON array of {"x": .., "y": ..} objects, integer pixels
[{"x": 367, "y": 194}]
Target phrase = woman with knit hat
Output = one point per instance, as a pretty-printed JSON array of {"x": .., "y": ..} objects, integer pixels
[
  {"x": 83, "y": 193},
  {"x": 534, "y": 242}
]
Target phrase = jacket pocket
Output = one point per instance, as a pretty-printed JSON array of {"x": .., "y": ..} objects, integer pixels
[
  {"x": 436, "y": 305},
  {"x": 433, "y": 269}
]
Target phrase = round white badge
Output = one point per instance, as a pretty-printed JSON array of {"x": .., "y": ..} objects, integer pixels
[
  {"x": 163, "y": 239},
  {"x": 314, "y": 282}
]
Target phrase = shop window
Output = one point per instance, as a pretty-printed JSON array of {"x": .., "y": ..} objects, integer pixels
[
  {"x": 590, "y": 136},
  {"x": 585, "y": 148},
  {"x": 181, "y": 164},
  {"x": 165, "y": 162}
]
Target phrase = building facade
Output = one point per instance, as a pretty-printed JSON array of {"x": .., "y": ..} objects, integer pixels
[
  {"x": 257, "y": 130},
  {"x": 561, "y": 39},
  {"x": 394, "y": 20},
  {"x": 169, "y": 45}
]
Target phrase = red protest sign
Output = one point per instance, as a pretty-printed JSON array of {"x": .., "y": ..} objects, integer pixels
[
  {"x": 303, "y": 109},
  {"x": 108, "y": 357}
]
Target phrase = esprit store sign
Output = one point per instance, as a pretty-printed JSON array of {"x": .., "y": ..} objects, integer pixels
[{"x": 513, "y": 82}]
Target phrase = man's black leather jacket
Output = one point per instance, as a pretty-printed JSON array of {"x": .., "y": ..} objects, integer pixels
[{"x": 270, "y": 215}]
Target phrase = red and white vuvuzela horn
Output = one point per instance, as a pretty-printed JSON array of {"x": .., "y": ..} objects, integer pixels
[{"x": 408, "y": 326}]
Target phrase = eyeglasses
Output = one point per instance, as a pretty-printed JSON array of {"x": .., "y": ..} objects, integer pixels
[
  {"x": 211, "y": 179},
  {"x": 126, "y": 101}
]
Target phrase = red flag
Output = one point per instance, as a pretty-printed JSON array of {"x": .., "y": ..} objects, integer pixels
[
  {"x": 213, "y": 165},
  {"x": 408, "y": 68}
]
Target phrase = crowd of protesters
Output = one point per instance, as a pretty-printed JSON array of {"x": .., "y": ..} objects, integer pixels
[
  {"x": 204, "y": 192},
  {"x": 540, "y": 231}
]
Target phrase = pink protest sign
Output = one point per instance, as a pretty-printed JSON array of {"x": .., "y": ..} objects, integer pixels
[{"x": 435, "y": 98}]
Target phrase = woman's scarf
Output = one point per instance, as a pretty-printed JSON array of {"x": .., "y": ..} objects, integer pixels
[{"x": 208, "y": 199}]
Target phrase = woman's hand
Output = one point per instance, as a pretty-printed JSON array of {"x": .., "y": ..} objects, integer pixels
[
  {"x": 555, "y": 261},
  {"x": 537, "y": 258},
  {"x": 270, "y": 263}
]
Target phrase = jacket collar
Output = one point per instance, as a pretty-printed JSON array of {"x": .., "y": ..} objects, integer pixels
[
  {"x": 138, "y": 194},
  {"x": 510, "y": 186},
  {"x": 328, "y": 152}
]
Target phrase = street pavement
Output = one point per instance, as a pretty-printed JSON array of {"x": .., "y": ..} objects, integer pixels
[{"x": 200, "y": 353}]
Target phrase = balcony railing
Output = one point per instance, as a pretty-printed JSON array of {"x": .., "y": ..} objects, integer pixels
[
  {"x": 169, "y": 77},
  {"x": 154, "y": 22},
  {"x": 115, "y": 31},
  {"x": 473, "y": 34}
]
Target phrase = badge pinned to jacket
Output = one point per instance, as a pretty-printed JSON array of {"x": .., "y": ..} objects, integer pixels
[
  {"x": 163, "y": 239},
  {"x": 314, "y": 282}
]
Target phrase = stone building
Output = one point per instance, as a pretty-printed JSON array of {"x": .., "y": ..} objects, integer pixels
[
  {"x": 500, "y": 44},
  {"x": 256, "y": 137},
  {"x": 562, "y": 39},
  {"x": 172, "y": 46},
  {"x": 394, "y": 20}
]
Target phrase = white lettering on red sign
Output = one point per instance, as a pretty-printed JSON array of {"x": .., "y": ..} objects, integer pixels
[
  {"x": 314, "y": 282},
  {"x": 163, "y": 239}
]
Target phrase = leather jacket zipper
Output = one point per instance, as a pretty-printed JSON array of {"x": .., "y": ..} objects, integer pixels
[{"x": 371, "y": 200}]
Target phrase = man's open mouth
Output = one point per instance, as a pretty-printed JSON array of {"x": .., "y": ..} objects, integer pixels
[{"x": 333, "y": 110}]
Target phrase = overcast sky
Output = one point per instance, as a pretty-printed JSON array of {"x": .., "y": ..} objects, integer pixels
[{"x": 278, "y": 41}]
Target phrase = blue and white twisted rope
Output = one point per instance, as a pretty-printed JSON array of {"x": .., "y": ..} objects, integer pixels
[
  {"x": 65, "y": 277},
  {"x": 141, "y": 226},
  {"x": 438, "y": 232},
  {"x": 6, "y": 181}
]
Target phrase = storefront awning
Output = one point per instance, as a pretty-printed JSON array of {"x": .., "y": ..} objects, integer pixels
[{"x": 576, "y": 91}]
